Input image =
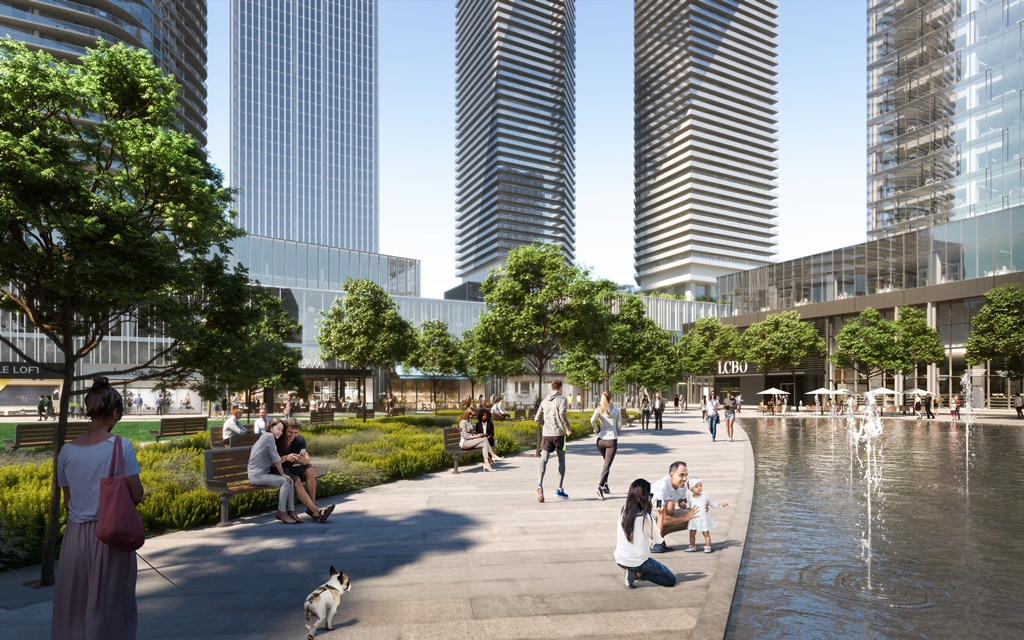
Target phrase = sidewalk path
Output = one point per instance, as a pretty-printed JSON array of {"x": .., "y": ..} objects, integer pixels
[{"x": 457, "y": 556}]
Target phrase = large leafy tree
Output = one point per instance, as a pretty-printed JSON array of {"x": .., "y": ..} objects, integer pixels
[
  {"x": 709, "y": 342},
  {"x": 478, "y": 360},
  {"x": 111, "y": 221},
  {"x": 781, "y": 342},
  {"x": 362, "y": 328},
  {"x": 657, "y": 367},
  {"x": 868, "y": 345},
  {"x": 919, "y": 344},
  {"x": 436, "y": 354},
  {"x": 540, "y": 306},
  {"x": 997, "y": 332}
]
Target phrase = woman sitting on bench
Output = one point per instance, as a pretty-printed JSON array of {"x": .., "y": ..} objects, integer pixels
[
  {"x": 471, "y": 441},
  {"x": 262, "y": 457}
]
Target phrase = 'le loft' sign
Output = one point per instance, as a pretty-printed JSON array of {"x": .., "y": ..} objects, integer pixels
[
  {"x": 730, "y": 367},
  {"x": 20, "y": 370}
]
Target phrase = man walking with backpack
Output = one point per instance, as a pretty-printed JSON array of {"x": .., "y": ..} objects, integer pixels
[{"x": 551, "y": 416}]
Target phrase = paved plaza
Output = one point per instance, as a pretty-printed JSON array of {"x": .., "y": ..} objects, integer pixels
[{"x": 451, "y": 556}]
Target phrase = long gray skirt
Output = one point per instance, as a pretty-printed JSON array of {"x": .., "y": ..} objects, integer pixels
[{"x": 94, "y": 598}]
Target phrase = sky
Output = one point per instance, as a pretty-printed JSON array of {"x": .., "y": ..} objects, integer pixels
[{"x": 822, "y": 130}]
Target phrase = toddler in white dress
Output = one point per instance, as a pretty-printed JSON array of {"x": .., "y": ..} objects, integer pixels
[{"x": 703, "y": 521}]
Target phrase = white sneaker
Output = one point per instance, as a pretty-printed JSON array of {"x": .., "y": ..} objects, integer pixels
[
  {"x": 689, "y": 549},
  {"x": 707, "y": 549}
]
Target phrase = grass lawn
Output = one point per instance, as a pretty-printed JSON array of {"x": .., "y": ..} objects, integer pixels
[{"x": 134, "y": 431}]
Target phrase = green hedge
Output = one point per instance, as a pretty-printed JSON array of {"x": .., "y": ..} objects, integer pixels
[{"x": 364, "y": 454}]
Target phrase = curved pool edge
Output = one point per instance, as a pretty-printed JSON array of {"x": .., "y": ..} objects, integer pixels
[{"x": 714, "y": 613}]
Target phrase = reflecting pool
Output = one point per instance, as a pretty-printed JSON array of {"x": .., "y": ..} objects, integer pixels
[{"x": 946, "y": 545}]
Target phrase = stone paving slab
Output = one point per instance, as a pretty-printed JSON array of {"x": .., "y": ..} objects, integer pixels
[{"x": 456, "y": 556}]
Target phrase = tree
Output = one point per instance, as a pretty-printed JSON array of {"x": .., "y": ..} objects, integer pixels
[
  {"x": 781, "y": 342},
  {"x": 478, "y": 360},
  {"x": 919, "y": 343},
  {"x": 540, "y": 306},
  {"x": 363, "y": 328},
  {"x": 111, "y": 220},
  {"x": 630, "y": 335},
  {"x": 657, "y": 369},
  {"x": 868, "y": 345},
  {"x": 436, "y": 354},
  {"x": 997, "y": 332},
  {"x": 709, "y": 342}
]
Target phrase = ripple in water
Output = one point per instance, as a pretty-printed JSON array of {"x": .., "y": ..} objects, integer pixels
[{"x": 851, "y": 583}]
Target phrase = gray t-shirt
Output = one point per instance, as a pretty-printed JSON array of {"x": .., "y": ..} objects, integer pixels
[
  {"x": 81, "y": 467},
  {"x": 263, "y": 454}
]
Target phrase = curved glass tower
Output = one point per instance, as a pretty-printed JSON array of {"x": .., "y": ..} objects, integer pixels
[
  {"x": 304, "y": 120},
  {"x": 515, "y": 129},
  {"x": 174, "y": 32},
  {"x": 706, "y": 141}
]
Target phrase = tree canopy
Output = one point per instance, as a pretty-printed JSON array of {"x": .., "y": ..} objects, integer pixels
[
  {"x": 780, "y": 342},
  {"x": 363, "y": 328},
  {"x": 709, "y": 342},
  {"x": 478, "y": 360},
  {"x": 869, "y": 344},
  {"x": 112, "y": 221},
  {"x": 540, "y": 306},
  {"x": 997, "y": 332},
  {"x": 436, "y": 354}
]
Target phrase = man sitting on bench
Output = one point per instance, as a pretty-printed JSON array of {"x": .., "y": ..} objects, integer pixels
[
  {"x": 295, "y": 459},
  {"x": 233, "y": 426},
  {"x": 498, "y": 410}
]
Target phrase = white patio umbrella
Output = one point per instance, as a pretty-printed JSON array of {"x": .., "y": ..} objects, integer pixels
[
  {"x": 915, "y": 392},
  {"x": 821, "y": 392},
  {"x": 773, "y": 392},
  {"x": 883, "y": 391},
  {"x": 841, "y": 391}
]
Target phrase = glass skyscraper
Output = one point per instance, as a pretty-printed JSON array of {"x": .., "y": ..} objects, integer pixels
[
  {"x": 173, "y": 32},
  {"x": 515, "y": 129},
  {"x": 706, "y": 141},
  {"x": 304, "y": 120},
  {"x": 945, "y": 96}
]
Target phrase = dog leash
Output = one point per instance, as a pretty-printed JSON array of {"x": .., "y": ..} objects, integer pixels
[{"x": 184, "y": 590}]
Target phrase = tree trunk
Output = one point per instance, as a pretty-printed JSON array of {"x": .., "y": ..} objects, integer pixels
[
  {"x": 362, "y": 392},
  {"x": 47, "y": 573}
]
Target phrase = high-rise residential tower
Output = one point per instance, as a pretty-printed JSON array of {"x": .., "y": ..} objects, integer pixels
[
  {"x": 304, "y": 121},
  {"x": 945, "y": 101},
  {"x": 515, "y": 129},
  {"x": 173, "y": 32},
  {"x": 706, "y": 141}
]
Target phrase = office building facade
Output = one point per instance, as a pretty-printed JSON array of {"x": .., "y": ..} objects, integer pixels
[
  {"x": 173, "y": 32},
  {"x": 945, "y": 83},
  {"x": 515, "y": 129},
  {"x": 706, "y": 141},
  {"x": 304, "y": 120}
]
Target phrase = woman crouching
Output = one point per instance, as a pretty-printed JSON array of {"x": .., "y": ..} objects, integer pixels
[{"x": 637, "y": 531}]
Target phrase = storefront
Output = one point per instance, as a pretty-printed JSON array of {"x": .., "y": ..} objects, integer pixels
[{"x": 21, "y": 385}]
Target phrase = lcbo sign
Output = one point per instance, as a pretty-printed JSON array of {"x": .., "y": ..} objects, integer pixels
[{"x": 731, "y": 367}]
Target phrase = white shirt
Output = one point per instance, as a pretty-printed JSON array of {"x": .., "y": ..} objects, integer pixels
[
  {"x": 645, "y": 533},
  {"x": 259, "y": 426},
  {"x": 664, "y": 491},
  {"x": 609, "y": 423}
]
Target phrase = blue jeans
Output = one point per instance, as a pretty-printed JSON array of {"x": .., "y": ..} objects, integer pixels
[
  {"x": 713, "y": 425},
  {"x": 654, "y": 571}
]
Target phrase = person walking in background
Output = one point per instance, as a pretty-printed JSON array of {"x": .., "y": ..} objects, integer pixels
[
  {"x": 95, "y": 592},
  {"x": 730, "y": 408},
  {"x": 579, "y": 402},
  {"x": 713, "y": 416},
  {"x": 606, "y": 421},
  {"x": 569, "y": 401},
  {"x": 645, "y": 412},
  {"x": 637, "y": 529},
  {"x": 289, "y": 407},
  {"x": 955, "y": 408},
  {"x": 658, "y": 406},
  {"x": 159, "y": 402},
  {"x": 41, "y": 408},
  {"x": 676, "y": 401},
  {"x": 1018, "y": 404},
  {"x": 704, "y": 409},
  {"x": 138, "y": 404},
  {"x": 928, "y": 406},
  {"x": 551, "y": 416}
]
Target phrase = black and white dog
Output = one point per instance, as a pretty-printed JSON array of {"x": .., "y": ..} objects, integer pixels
[{"x": 322, "y": 604}]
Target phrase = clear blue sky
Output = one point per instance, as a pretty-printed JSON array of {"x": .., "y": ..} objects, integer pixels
[{"x": 822, "y": 131}]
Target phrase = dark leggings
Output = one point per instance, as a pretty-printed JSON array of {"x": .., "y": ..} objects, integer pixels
[{"x": 607, "y": 447}]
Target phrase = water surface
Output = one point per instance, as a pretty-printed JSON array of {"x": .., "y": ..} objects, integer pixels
[{"x": 947, "y": 548}]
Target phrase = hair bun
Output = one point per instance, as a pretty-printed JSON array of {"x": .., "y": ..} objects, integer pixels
[{"x": 100, "y": 382}]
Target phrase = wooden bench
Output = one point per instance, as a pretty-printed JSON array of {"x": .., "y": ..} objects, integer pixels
[
  {"x": 364, "y": 413},
  {"x": 324, "y": 416},
  {"x": 627, "y": 419},
  {"x": 179, "y": 427},
  {"x": 398, "y": 411},
  {"x": 452, "y": 437},
  {"x": 227, "y": 474},
  {"x": 40, "y": 434},
  {"x": 518, "y": 414},
  {"x": 235, "y": 440}
]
